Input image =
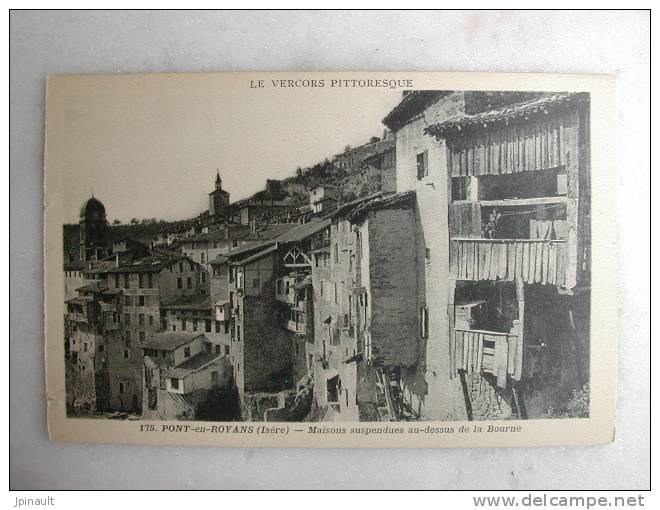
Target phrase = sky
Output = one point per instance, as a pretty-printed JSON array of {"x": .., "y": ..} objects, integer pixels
[{"x": 148, "y": 146}]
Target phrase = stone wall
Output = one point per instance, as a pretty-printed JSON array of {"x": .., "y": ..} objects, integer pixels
[
  {"x": 392, "y": 280},
  {"x": 487, "y": 402}
]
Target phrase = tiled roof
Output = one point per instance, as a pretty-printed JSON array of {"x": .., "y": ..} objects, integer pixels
[
  {"x": 256, "y": 256},
  {"x": 193, "y": 364},
  {"x": 94, "y": 287},
  {"x": 248, "y": 247},
  {"x": 270, "y": 231},
  {"x": 413, "y": 103},
  {"x": 170, "y": 340},
  {"x": 189, "y": 303},
  {"x": 382, "y": 202},
  {"x": 147, "y": 264},
  {"x": 220, "y": 235},
  {"x": 537, "y": 107},
  {"x": 303, "y": 231}
]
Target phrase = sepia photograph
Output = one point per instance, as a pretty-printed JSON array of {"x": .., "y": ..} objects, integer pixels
[
  {"x": 356, "y": 251},
  {"x": 429, "y": 262}
]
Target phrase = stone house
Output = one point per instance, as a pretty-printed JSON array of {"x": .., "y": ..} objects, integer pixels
[
  {"x": 179, "y": 369},
  {"x": 366, "y": 327}
]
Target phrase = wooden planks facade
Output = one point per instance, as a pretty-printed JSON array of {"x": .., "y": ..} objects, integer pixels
[
  {"x": 530, "y": 260},
  {"x": 518, "y": 147},
  {"x": 491, "y": 352}
]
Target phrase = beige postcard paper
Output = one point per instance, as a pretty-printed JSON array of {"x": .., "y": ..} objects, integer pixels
[{"x": 336, "y": 259}]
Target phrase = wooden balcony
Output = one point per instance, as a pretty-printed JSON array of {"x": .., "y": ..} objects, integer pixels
[
  {"x": 530, "y": 260},
  {"x": 499, "y": 354},
  {"x": 297, "y": 327}
]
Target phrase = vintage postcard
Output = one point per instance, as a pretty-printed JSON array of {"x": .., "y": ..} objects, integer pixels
[{"x": 331, "y": 259}]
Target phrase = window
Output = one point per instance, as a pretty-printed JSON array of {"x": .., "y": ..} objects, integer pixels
[
  {"x": 150, "y": 279},
  {"x": 141, "y": 301},
  {"x": 179, "y": 283},
  {"x": 459, "y": 189},
  {"x": 127, "y": 319},
  {"x": 202, "y": 258},
  {"x": 174, "y": 383},
  {"x": 142, "y": 336},
  {"x": 141, "y": 280},
  {"x": 424, "y": 322},
  {"x": 151, "y": 320},
  {"x": 141, "y": 318},
  {"x": 121, "y": 387},
  {"x": 279, "y": 286},
  {"x": 428, "y": 254},
  {"x": 181, "y": 266},
  {"x": 173, "y": 327},
  {"x": 218, "y": 348},
  {"x": 203, "y": 276},
  {"x": 208, "y": 326},
  {"x": 226, "y": 326},
  {"x": 238, "y": 333},
  {"x": 183, "y": 324},
  {"x": 227, "y": 350},
  {"x": 128, "y": 300},
  {"x": 234, "y": 243},
  {"x": 101, "y": 348},
  {"x": 189, "y": 282},
  {"x": 194, "y": 324},
  {"x": 255, "y": 283},
  {"x": 126, "y": 353},
  {"x": 422, "y": 164},
  {"x": 186, "y": 352},
  {"x": 85, "y": 347},
  {"x": 217, "y": 326},
  {"x": 127, "y": 338},
  {"x": 116, "y": 281},
  {"x": 126, "y": 281},
  {"x": 336, "y": 294},
  {"x": 163, "y": 354},
  {"x": 336, "y": 253}
]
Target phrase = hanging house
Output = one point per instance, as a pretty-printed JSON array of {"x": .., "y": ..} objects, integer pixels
[{"x": 518, "y": 215}]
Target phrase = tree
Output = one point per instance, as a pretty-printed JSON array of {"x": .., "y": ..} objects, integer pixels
[
  {"x": 134, "y": 221},
  {"x": 116, "y": 222}
]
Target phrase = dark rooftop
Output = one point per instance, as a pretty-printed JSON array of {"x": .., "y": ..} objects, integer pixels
[
  {"x": 537, "y": 107},
  {"x": 170, "y": 340},
  {"x": 189, "y": 303}
]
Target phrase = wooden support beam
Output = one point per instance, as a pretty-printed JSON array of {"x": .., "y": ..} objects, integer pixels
[
  {"x": 452, "y": 334},
  {"x": 520, "y": 347}
]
